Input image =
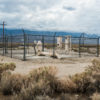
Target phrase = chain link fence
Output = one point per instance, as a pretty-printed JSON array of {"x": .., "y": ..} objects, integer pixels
[{"x": 24, "y": 46}]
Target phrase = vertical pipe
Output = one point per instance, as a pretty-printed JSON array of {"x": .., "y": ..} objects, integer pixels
[
  {"x": 28, "y": 44},
  {"x": 42, "y": 42},
  {"x": 11, "y": 44},
  {"x": 54, "y": 44},
  {"x": 98, "y": 47},
  {"x": 34, "y": 45},
  {"x": 3, "y": 41},
  {"x": 79, "y": 47},
  {"x": 5, "y": 44},
  {"x": 24, "y": 58},
  {"x": 24, "y": 55},
  {"x": 83, "y": 39}
]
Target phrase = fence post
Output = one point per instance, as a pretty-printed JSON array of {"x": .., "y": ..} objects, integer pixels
[
  {"x": 24, "y": 55},
  {"x": 43, "y": 43},
  {"x": 97, "y": 47},
  {"x": 3, "y": 45},
  {"x": 28, "y": 43},
  {"x": 11, "y": 44},
  {"x": 54, "y": 44},
  {"x": 79, "y": 47},
  {"x": 6, "y": 43}
]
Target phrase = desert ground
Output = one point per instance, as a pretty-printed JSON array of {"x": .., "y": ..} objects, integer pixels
[{"x": 68, "y": 66}]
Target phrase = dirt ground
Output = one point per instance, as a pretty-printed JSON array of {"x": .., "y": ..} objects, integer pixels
[{"x": 68, "y": 66}]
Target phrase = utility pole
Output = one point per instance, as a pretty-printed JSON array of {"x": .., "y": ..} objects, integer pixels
[{"x": 3, "y": 37}]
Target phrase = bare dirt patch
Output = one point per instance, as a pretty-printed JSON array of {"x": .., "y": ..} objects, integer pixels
[{"x": 68, "y": 66}]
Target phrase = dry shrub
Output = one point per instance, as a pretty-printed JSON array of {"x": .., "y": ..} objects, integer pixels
[
  {"x": 27, "y": 93},
  {"x": 88, "y": 81},
  {"x": 43, "y": 76},
  {"x": 94, "y": 68},
  {"x": 68, "y": 96},
  {"x": 36, "y": 88},
  {"x": 39, "y": 97},
  {"x": 65, "y": 85},
  {"x": 44, "y": 98},
  {"x": 95, "y": 73},
  {"x": 38, "y": 82},
  {"x": 45, "y": 73},
  {"x": 42, "y": 84},
  {"x": 11, "y": 84},
  {"x": 32, "y": 91},
  {"x": 5, "y": 71},
  {"x": 5, "y": 67},
  {"x": 96, "y": 81},
  {"x": 83, "y": 83}
]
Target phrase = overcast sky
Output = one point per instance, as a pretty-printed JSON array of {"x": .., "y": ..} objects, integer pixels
[{"x": 66, "y": 15}]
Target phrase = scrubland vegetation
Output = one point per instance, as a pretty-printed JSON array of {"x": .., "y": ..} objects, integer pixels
[{"x": 43, "y": 84}]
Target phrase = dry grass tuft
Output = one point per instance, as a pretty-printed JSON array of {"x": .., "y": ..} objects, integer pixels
[
  {"x": 82, "y": 81},
  {"x": 11, "y": 84},
  {"x": 7, "y": 66},
  {"x": 38, "y": 82},
  {"x": 65, "y": 85},
  {"x": 43, "y": 72}
]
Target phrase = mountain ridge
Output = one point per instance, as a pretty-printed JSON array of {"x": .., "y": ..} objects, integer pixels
[{"x": 36, "y": 32}]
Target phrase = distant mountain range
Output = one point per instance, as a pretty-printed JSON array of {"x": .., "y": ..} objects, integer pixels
[{"x": 51, "y": 33}]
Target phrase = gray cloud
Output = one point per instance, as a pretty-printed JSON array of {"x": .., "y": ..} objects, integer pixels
[
  {"x": 77, "y": 15},
  {"x": 69, "y": 8}
]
